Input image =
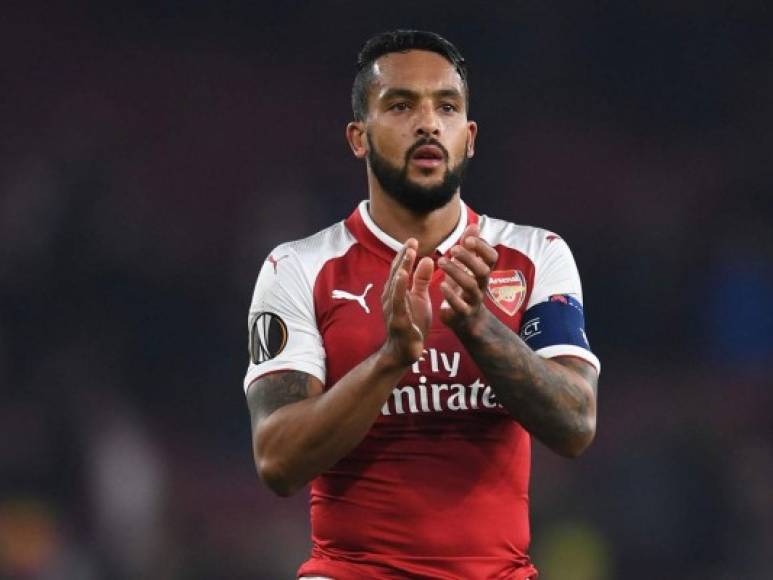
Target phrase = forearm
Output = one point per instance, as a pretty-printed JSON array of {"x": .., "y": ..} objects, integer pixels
[
  {"x": 300, "y": 440},
  {"x": 552, "y": 402}
]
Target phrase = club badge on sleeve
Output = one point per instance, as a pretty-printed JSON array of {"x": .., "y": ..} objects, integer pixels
[
  {"x": 268, "y": 337},
  {"x": 507, "y": 288}
]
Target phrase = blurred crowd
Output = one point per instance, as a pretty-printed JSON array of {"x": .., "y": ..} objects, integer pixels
[{"x": 154, "y": 153}]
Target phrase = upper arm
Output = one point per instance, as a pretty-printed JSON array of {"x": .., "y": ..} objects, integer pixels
[
  {"x": 554, "y": 321},
  {"x": 283, "y": 333},
  {"x": 273, "y": 391}
]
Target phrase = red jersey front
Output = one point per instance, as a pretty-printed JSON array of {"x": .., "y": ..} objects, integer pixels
[{"x": 439, "y": 486}]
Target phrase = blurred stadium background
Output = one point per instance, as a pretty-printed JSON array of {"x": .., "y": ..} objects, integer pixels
[{"x": 152, "y": 153}]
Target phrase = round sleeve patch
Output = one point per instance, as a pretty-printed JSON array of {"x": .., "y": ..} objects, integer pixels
[{"x": 268, "y": 337}]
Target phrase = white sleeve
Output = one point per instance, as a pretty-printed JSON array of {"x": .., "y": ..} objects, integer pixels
[
  {"x": 546, "y": 328},
  {"x": 556, "y": 273},
  {"x": 283, "y": 333}
]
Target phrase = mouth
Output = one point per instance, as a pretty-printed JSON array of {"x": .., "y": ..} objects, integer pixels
[{"x": 428, "y": 156}]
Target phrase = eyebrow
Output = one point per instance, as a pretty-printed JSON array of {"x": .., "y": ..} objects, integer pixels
[{"x": 397, "y": 93}]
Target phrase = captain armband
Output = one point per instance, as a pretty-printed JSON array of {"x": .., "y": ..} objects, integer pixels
[{"x": 558, "y": 321}]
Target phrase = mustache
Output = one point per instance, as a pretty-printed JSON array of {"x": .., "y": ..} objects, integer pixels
[{"x": 422, "y": 143}]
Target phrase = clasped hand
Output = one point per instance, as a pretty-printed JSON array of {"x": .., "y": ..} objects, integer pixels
[
  {"x": 466, "y": 283},
  {"x": 406, "y": 301}
]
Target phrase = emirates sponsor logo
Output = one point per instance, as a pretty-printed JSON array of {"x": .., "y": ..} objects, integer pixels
[
  {"x": 507, "y": 289},
  {"x": 436, "y": 397}
]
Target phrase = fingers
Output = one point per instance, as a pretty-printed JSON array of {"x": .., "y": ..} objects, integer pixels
[
  {"x": 476, "y": 266},
  {"x": 422, "y": 276},
  {"x": 408, "y": 261},
  {"x": 398, "y": 294},
  {"x": 472, "y": 230},
  {"x": 472, "y": 241},
  {"x": 403, "y": 275},
  {"x": 467, "y": 272},
  {"x": 450, "y": 285},
  {"x": 481, "y": 248},
  {"x": 395, "y": 290},
  {"x": 410, "y": 243},
  {"x": 399, "y": 260},
  {"x": 390, "y": 281},
  {"x": 453, "y": 299},
  {"x": 464, "y": 279}
]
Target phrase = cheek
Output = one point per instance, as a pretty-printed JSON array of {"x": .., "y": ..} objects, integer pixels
[
  {"x": 389, "y": 144},
  {"x": 458, "y": 148}
]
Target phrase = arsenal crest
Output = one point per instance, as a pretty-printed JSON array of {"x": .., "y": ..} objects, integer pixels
[{"x": 507, "y": 288}]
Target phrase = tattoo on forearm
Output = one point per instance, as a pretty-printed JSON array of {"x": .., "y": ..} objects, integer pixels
[
  {"x": 550, "y": 404},
  {"x": 275, "y": 391}
]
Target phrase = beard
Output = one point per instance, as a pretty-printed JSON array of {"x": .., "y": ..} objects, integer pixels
[{"x": 416, "y": 198}]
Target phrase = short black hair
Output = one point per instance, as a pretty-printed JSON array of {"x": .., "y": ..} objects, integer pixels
[{"x": 400, "y": 41}]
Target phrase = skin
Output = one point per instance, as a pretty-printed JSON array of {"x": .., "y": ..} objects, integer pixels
[
  {"x": 415, "y": 95},
  {"x": 299, "y": 430},
  {"x": 554, "y": 399}
]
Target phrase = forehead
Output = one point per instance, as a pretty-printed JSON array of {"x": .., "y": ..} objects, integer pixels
[{"x": 416, "y": 69}]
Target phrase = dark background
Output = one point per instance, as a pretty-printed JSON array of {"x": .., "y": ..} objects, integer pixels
[{"x": 152, "y": 154}]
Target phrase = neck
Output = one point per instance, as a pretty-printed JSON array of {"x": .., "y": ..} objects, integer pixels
[{"x": 400, "y": 223}]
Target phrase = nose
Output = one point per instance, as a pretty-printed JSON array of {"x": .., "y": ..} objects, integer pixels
[{"x": 428, "y": 123}]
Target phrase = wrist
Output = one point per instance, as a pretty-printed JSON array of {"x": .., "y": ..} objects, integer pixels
[
  {"x": 473, "y": 327},
  {"x": 390, "y": 359}
]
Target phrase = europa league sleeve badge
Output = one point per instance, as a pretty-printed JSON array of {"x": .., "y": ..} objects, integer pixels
[{"x": 268, "y": 337}]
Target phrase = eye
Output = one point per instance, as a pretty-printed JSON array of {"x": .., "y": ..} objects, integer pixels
[
  {"x": 402, "y": 106},
  {"x": 448, "y": 108}
]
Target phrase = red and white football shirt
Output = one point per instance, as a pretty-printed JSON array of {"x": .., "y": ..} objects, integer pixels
[{"x": 439, "y": 486}]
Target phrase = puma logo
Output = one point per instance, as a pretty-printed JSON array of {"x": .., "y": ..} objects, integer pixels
[
  {"x": 275, "y": 261},
  {"x": 344, "y": 295}
]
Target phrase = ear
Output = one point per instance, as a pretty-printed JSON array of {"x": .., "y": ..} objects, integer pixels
[
  {"x": 472, "y": 132},
  {"x": 357, "y": 138}
]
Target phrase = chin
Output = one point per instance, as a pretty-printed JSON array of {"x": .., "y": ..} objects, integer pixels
[
  {"x": 432, "y": 179},
  {"x": 428, "y": 182}
]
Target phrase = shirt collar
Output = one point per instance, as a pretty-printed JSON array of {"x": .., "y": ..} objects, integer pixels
[{"x": 365, "y": 230}]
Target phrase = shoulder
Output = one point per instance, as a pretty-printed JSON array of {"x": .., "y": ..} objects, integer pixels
[
  {"x": 290, "y": 270},
  {"x": 311, "y": 253},
  {"x": 532, "y": 241}
]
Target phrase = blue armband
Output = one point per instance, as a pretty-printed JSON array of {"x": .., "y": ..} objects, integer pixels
[{"x": 559, "y": 320}]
